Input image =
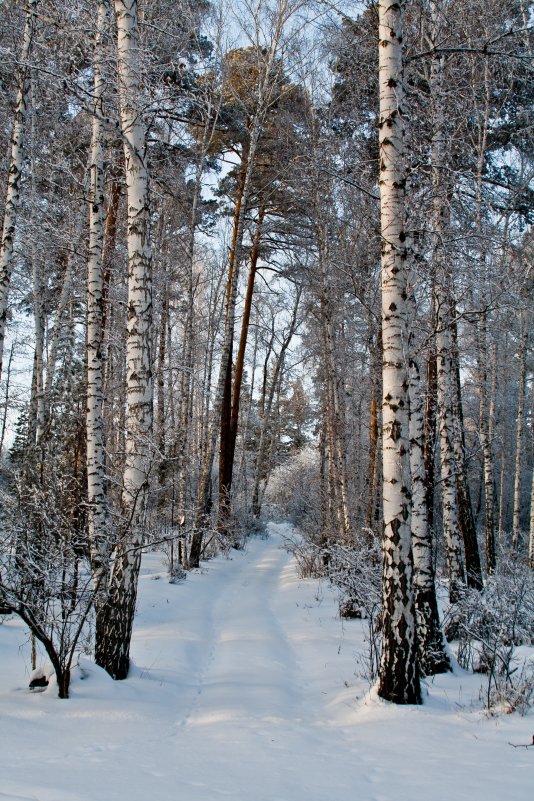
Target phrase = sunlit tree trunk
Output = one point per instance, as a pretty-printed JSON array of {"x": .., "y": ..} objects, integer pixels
[
  {"x": 399, "y": 675},
  {"x": 227, "y": 464},
  {"x": 112, "y": 652},
  {"x": 96, "y": 481},
  {"x": 225, "y": 442},
  {"x": 14, "y": 173},
  {"x": 374, "y": 428}
]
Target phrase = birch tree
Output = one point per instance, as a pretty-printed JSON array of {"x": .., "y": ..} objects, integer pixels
[
  {"x": 112, "y": 650},
  {"x": 399, "y": 675},
  {"x": 520, "y": 426},
  {"x": 432, "y": 653},
  {"x": 444, "y": 319},
  {"x": 12, "y": 201},
  {"x": 96, "y": 484}
]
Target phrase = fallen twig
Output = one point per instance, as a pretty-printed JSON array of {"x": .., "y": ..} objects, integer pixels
[{"x": 523, "y": 745}]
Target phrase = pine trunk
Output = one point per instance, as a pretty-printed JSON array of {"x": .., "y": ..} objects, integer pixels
[{"x": 227, "y": 465}]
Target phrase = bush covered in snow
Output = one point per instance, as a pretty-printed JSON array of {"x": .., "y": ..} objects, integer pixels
[
  {"x": 491, "y": 626},
  {"x": 294, "y": 488}
]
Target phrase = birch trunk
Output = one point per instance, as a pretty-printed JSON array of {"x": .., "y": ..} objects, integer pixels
[
  {"x": 531, "y": 536},
  {"x": 37, "y": 403},
  {"x": 12, "y": 201},
  {"x": 374, "y": 427},
  {"x": 431, "y": 646},
  {"x": 430, "y": 642},
  {"x": 443, "y": 320},
  {"x": 430, "y": 440},
  {"x": 112, "y": 652},
  {"x": 399, "y": 675},
  {"x": 96, "y": 483},
  {"x": 6, "y": 400},
  {"x": 523, "y": 347},
  {"x": 487, "y": 449}
]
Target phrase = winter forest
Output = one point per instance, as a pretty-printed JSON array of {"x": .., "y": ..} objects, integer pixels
[{"x": 266, "y": 277}]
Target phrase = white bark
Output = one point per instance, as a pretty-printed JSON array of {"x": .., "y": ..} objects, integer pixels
[
  {"x": 399, "y": 679},
  {"x": 96, "y": 488},
  {"x": 431, "y": 647},
  {"x": 422, "y": 545},
  {"x": 443, "y": 334},
  {"x": 531, "y": 537},
  {"x": 523, "y": 347},
  {"x": 486, "y": 425},
  {"x": 112, "y": 651},
  {"x": 138, "y": 362},
  {"x": 37, "y": 403},
  {"x": 12, "y": 201}
]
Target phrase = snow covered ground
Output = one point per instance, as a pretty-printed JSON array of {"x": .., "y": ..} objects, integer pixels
[{"x": 245, "y": 687}]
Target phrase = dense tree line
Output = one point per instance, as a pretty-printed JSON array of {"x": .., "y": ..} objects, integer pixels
[{"x": 296, "y": 269}]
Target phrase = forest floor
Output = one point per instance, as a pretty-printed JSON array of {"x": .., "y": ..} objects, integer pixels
[{"x": 245, "y": 686}]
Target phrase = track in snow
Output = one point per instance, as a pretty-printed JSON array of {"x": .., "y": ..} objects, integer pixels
[{"x": 244, "y": 687}]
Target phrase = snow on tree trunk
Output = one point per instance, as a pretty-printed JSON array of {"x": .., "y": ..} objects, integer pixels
[
  {"x": 12, "y": 201},
  {"x": 113, "y": 651},
  {"x": 399, "y": 676},
  {"x": 96, "y": 487}
]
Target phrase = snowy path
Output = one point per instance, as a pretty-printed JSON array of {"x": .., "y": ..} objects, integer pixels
[{"x": 244, "y": 688}]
